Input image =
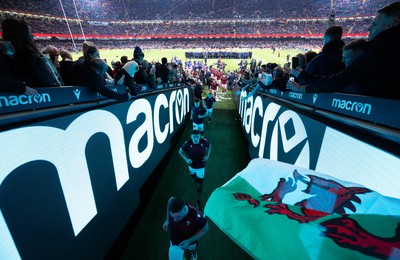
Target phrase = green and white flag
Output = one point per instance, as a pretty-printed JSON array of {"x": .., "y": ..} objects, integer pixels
[{"x": 275, "y": 210}]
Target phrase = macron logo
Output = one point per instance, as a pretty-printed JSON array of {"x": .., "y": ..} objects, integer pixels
[
  {"x": 314, "y": 98},
  {"x": 363, "y": 108},
  {"x": 77, "y": 93}
]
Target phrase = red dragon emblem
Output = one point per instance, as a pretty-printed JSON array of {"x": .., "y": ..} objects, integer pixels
[{"x": 328, "y": 197}]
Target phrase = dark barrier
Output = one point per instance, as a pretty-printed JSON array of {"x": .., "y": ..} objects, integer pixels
[
  {"x": 58, "y": 96},
  {"x": 219, "y": 54},
  {"x": 297, "y": 133},
  {"x": 376, "y": 110},
  {"x": 70, "y": 183}
]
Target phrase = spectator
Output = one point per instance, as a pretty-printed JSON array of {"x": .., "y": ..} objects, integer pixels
[
  {"x": 376, "y": 69},
  {"x": 303, "y": 61},
  {"x": 196, "y": 153},
  {"x": 329, "y": 60},
  {"x": 31, "y": 66},
  {"x": 138, "y": 56},
  {"x": 66, "y": 65},
  {"x": 90, "y": 73},
  {"x": 92, "y": 53},
  {"x": 187, "y": 225},
  {"x": 7, "y": 84},
  {"x": 117, "y": 66},
  {"x": 150, "y": 71},
  {"x": 310, "y": 55},
  {"x": 53, "y": 53},
  {"x": 124, "y": 60},
  {"x": 162, "y": 70},
  {"x": 351, "y": 52},
  {"x": 129, "y": 69},
  {"x": 85, "y": 48}
]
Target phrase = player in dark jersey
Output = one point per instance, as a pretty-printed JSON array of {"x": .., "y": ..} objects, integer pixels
[
  {"x": 197, "y": 116},
  {"x": 209, "y": 103},
  {"x": 196, "y": 152},
  {"x": 187, "y": 225}
]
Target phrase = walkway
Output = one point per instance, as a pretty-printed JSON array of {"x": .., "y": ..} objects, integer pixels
[{"x": 228, "y": 157}]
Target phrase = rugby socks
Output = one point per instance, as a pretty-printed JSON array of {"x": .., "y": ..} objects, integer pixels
[{"x": 199, "y": 189}]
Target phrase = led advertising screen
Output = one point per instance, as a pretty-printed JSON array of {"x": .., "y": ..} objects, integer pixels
[
  {"x": 277, "y": 133},
  {"x": 69, "y": 185}
]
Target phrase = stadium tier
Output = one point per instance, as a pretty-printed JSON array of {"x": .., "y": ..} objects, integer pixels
[
  {"x": 221, "y": 19},
  {"x": 304, "y": 161},
  {"x": 194, "y": 9}
]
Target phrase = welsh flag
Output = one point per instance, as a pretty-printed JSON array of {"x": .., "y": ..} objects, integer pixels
[{"x": 275, "y": 210}]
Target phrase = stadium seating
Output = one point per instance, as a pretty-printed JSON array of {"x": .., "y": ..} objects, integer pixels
[{"x": 194, "y": 9}]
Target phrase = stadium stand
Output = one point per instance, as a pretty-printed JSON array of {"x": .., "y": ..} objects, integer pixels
[
  {"x": 195, "y": 9},
  {"x": 77, "y": 206}
]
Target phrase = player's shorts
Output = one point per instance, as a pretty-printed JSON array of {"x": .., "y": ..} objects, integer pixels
[
  {"x": 199, "y": 172},
  {"x": 199, "y": 127},
  {"x": 209, "y": 110},
  {"x": 175, "y": 252}
]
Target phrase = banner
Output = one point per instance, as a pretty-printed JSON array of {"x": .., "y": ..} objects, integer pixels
[
  {"x": 275, "y": 210},
  {"x": 69, "y": 185},
  {"x": 278, "y": 133},
  {"x": 99, "y": 23}
]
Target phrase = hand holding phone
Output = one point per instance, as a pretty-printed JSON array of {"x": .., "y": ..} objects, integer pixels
[{"x": 295, "y": 62}]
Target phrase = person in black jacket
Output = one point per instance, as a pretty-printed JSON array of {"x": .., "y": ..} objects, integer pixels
[
  {"x": 376, "y": 69},
  {"x": 162, "y": 70},
  {"x": 66, "y": 65},
  {"x": 90, "y": 74},
  {"x": 140, "y": 75},
  {"x": 7, "y": 84},
  {"x": 329, "y": 60},
  {"x": 31, "y": 66}
]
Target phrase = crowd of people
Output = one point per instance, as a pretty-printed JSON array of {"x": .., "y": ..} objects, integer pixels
[
  {"x": 356, "y": 67},
  {"x": 58, "y": 26},
  {"x": 362, "y": 66},
  {"x": 25, "y": 67},
  {"x": 194, "y": 9}
]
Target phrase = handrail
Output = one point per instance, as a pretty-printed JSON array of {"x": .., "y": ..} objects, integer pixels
[
  {"x": 53, "y": 101},
  {"x": 59, "y": 96},
  {"x": 375, "y": 110}
]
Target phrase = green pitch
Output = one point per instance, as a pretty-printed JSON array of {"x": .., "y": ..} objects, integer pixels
[{"x": 232, "y": 64}]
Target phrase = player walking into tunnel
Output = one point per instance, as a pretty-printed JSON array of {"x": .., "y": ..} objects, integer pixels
[{"x": 196, "y": 152}]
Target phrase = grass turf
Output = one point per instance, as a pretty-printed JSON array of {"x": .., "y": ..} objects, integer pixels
[{"x": 228, "y": 156}]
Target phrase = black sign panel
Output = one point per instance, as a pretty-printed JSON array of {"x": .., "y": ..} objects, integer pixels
[{"x": 69, "y": 185}]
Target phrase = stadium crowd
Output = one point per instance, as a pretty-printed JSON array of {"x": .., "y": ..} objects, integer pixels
[
  {"x": 194, "y": 9},
  {"x": 46, "y": 25},
  {"x": 29, "y": 64}
]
